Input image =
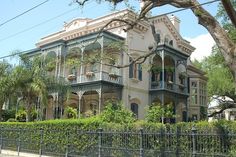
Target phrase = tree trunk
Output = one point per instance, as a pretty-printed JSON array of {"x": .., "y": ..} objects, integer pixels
[
  {"x": 28, "y": 112},
  {"x": 1, "y": 113}
]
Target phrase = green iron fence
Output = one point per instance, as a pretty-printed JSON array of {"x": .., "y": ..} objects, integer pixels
[{"x": 105, "y": 143}]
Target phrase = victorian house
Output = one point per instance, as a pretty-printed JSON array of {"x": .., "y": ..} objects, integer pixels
[{"x": 167, "y": 80}]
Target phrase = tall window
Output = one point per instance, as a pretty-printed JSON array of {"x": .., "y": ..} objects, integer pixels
[
  {"x": 194, "y": 92},
  {"x": 135, "y": 71},
  {"x": 202, "y": 92},
  {"x": 134, "y": 109}
]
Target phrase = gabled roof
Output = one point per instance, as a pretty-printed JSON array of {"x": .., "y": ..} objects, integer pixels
[{"x": 182, "y": 43}]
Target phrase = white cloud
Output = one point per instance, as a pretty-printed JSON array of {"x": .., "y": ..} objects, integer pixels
[{"x": 203, "y": 44}]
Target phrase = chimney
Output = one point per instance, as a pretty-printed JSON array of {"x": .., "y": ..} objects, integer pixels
[
  {"x": 141, "y": 3},
  {"x": 175, "y": 21}
]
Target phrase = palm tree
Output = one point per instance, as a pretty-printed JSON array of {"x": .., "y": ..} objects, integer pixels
[
  {"x": 6, "y": 84},
  {"x": 32, "y": 83}
]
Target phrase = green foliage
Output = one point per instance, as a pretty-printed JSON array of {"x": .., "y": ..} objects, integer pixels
[
  {"x": 11, "y": 120},
  {"x": 157, "y": 111},
  {"x": 70, "y": 112},
  {"x": 7, "y": 114},
  {"x": 30, "y": 82},
  {"x": 116, "y": 113},
  {"x": 21, "y": 116},
  {"x": 225, "y": 21},
  {"x": 50, "y": 66},
  {"x": 220, "y": 79},
  {"x": 156, "y": 69},
  {"x": 59, "y": 133}
]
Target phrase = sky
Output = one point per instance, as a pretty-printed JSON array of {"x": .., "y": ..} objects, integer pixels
[{"x": 24, "y": 32}]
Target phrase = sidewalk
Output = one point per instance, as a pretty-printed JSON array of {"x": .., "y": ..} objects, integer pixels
[{"x": 10, "y": 153}]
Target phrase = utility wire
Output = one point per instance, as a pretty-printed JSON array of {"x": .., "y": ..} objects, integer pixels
[
  {"x": 46, "y": 21},
  {"x": 23, "y": 13},
  {"x": 178, "y": 10}
]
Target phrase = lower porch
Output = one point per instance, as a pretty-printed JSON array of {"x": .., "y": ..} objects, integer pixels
[
  {"x": 177, "y": 102},
  {"x": 85, "y": 101}
]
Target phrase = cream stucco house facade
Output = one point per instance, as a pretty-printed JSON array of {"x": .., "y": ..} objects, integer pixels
[{"x": 137, "y": 86}]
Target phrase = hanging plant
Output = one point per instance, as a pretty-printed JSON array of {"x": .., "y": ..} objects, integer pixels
[
  {"x": 156, "y": 69},
  {"x": 169, "y": 69},
  {"x": 182, "y": 75},
  {"x": 50, "y": 66}
]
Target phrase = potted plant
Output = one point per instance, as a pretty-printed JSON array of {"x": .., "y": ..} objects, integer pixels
[
  {"x": 113, "y": 75},
  {"x": 71, "y": 77},
  {"x": 89, "y": 74}
]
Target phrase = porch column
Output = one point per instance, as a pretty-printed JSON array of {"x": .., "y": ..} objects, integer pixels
[
  {"x": 101, "y": 66},
  {"x": 81, "y": 65},
  {"x": 79, "y": 107},
  {"x": 162, "y": 103},
  {"x": 79, "y": 104},
  {"x": 99, "y": 100},
  {"x": 163, "y": 68},
  {"x": 187, "y": 111}
]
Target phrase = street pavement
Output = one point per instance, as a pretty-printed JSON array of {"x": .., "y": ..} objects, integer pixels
[{"x": 10, "y": 153}]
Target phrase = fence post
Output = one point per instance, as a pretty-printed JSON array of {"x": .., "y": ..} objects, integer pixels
[
  {"x": 162, "y": 139},
  {"x": 177, "y": 140},
  {"x": 141, "y": 142},
  {"x": 41, "y": 142},
  {"x": 67, "y": 143},
  {"x": 18, "y": 143},
  {"x": 99, "y": 141},
  {"x": 194, "y": 150}
]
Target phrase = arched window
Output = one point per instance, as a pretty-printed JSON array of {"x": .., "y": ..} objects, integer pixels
[{"x": 134, "y": 109}]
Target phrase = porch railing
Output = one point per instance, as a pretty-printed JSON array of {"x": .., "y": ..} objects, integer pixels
[
  {"x": 98, "y": 76},
  {"x": 160, "y": 85}
]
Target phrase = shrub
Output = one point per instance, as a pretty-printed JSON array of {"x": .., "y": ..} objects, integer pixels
[
  {"x": 116, "y": 113},
  {"x": 21, "y": 116},
  {"x": 11, "y": 120},
  {"x": 157, "y": 111},
  {"x": 70, "y": 112},
  {"x": 7, "y": 114},
  {"x": 212, "y": 138}
]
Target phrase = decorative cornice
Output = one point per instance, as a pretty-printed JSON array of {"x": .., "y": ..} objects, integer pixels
[{"x": 95, "y": 26}]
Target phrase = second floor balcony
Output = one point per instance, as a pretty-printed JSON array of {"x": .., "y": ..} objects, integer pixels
[
  {"x": 95, "y": 76},
  {"x": 169, "y": 86}
]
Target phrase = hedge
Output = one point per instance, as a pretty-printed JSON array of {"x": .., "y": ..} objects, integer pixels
[{"x": 81, "y": 136}]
